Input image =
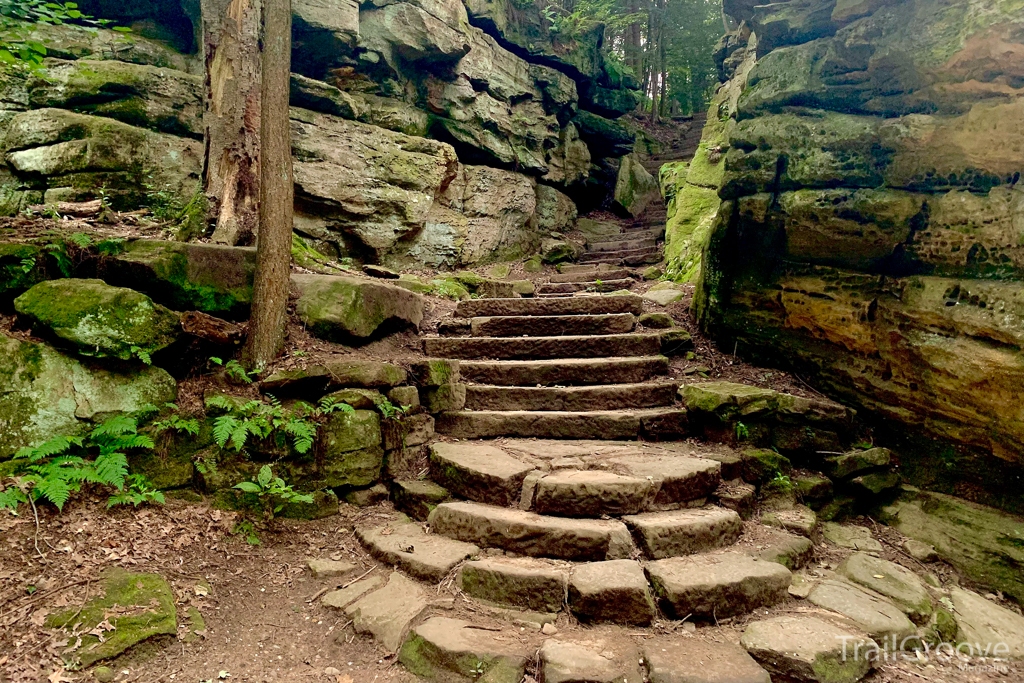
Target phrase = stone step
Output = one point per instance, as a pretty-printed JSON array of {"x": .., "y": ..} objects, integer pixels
[
  {"x": 632, "y": 259},
  {"x": 446, "y": 649},
  {"x": 574, "y": 268},
  {"x": 567, "y": 372},
  {"x": 671, "y": 659},
  {"x": 614, "y": 591},
  {"x": 528, "y": 533},
  {"x": 621, "y": 255},
  {"x": 552, "y": 325},
  {"x": 623, "y": 244},
  {"x": 491, "y": 424},
  {"x": 479, "y": 472},
  {"x": 591, "y": 274},
  {"x": 523, "y": 582},
  {"x": 591, "y": 305},
  {"x": 588, "y": 662},
  {"x": 572, "y": 399},
  {"x": 405, "y": 545},
  {"x": 542, "y": 348},
  {"x": 717, "y": 585},
  {"x": 649, "y": 234},
  {"x": 684, "y": 532},
  {"x": 573, "y": 287}
]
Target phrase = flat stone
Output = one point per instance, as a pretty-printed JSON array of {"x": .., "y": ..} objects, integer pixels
[
  {"x": 387, "y": 613},
  {"x": 537, "y": 348},
  {"x": 553, "y": 325},
  {"x": 853, "y": 537},
  {"x": 792, "y": 552},
  {"x": 523, "y": 582},
  {"x": 800, "y": 520},
  {"x": 364, "y": 498},
  {"x": 604, "y": 397},
  {"x": 806, "y": 648},
  {"x": 343, "y": 597},
  {"x": 592, "y": 275},
  {"x": 685, "y": 532},
  {"x": 679, "y": 479},
  {"x": 663, "y": 297},
  {"x": 855, "y": 462},
  {"x": 897, "y": 583},
  {"x": 590, "y": 305},
  {"x": 490, "y": 424},
  {"x": 591, "y": 493},
  {"x": 872, "y": 613},
  {"x": 563, "y": 662},
  {"x": 691, "y": 660},
  {"x": 441, "y": 648},
  {"x": 406, "y": 397},
  {"x": 531, "y": 534},
  {"x": 478, "y": 472},
  {"x": 425, "y": 556},
  {"x": 922, "y": 552},
  {"x": 737, "y": 496},
  {"x": 567, "y": 372},
  {"x": 323, "y": 569},
  {"x": 333, "y": 374},
  {"x": 615, "y": 591},
  {"x": 986, "y": 626},
  {"x": 417, "y": 498},
  {"x": 341, "y": 308},
  {"x": 720, "y": 585}
]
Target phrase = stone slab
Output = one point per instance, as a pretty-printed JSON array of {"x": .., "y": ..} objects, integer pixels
[
  {"x": 591, "y": 493},
  {"x": 523, "y": 582},
  {"x": 691, "y": 660},
  {"x": 593, "y": 305},
  {"x": 387, "y": 613},
  {"x": 684, "y": 532},
  {"x": 567, "y": 372},
  {"x": 806, "y": 648},
  {"x": 615, "y": 591},
  {"x": 425, "y": 556},
  {"x": 479, "y": 472}
]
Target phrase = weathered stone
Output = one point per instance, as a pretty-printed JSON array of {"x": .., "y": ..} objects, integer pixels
[
  {"x": 434, "y": 372},
  {"x": 405, "y": 431},
  {"x": 792, "y": 552},
  {"x": 478, "y": 472},
  {"x": 387, "y": 613},
  {"x": 990, "y": 630},
  {"x": 367, "y": 497},
  {"x": 807, "y": 648},
  {"x": 352, "y": 454},
  {"x": 531, "y": 534},
  {"x": 360, "y": 399},
  {"x": 737, "y": 496},
  {"x": 557, "y": 306},
  {"x": 922, "y": 552},
  {"x": 876, "y": 616},
  {"x": 565, "y": 372},
  {"x": 342, "y": 598},
  {"x": 424, "y": 556},
  {"x": 405, "y": 397},
  {"x": 555, "y": 211},
  {"x": 693, "y": 660},
  {"x": 566, "y": 662},
  {"x": 47, "y": 393},
  {"x": 685, "y": 532},
  {"x": 522, "y": 582},
  {"x": 800, "y": 520},
  {"x": 100, "y": 320},
  {"x": 855, "y": 462},
  {"x": 137, "y": 607},
  {"x": 342, "y": 308},
  {"x": 443, "y": 398},
  {"x": 891, "y": 580},
  {"x": 854, "y": 537},
  {"x": 334, "y": 374},
  {"x": 591, "y": 493},
  {"x": 536, "y": 348},
  {"x": 417, "y": 498},
  {"x": 614, "y": 591},
  {"x": 442, "y": 648},
  {"x": 722, "y": 585},
  {"x": 324, "y": 504},
  {"x": 657, "y": 321},
  {"x": 663, "y": 295},
  {"x": 323, "y": 569}
]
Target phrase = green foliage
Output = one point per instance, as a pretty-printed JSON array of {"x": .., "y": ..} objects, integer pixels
[
  {"x": 55, "y": 470},
  {"x": 17, "y": 16},
  {"x": 390, "y": 411},
  {"x": 174, "y": 422},
  {"x": 742, "y": 432},
  {"x": 246, "y": 528},
  {"x": 262, "y": 420},
  {"x": 272, "y": 492},
  {"x": 236, "y": 371},
  {"x": 58, "y": 253},
  {"x": 780, "y": 484},
  {"x": 142, "y": 355}
]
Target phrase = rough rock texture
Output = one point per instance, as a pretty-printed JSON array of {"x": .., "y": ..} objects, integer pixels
[
  {"x": 339, "y": 308},
  {"x": 635, "y": 188},
  {"x": 898, "y": 584},
  {"x": 442, "y": 648},
  {"x": 872, "y": 613},
  {"x": 902, "y": 161},
  {"x": 675, "y": 660},
  {"x": 99, "y": 320},
  {"x": 807, "y": 648},
  {"x": 387, "y": 613},
  {"x": 47, "y": 393},
  {"x": 613, "y": 591},
  {"x": 523, "y": 582},
  {"x": 986, "y": 626}
]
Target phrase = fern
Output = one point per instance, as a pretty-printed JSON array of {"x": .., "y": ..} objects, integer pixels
[{"x": 263, "y": 419}]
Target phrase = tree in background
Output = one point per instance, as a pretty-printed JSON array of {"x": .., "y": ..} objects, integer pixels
[
  {"x": 665, "y": 45},
  {"x": 274, "y": 241}
]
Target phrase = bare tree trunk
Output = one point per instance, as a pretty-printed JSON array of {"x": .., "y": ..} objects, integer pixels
[
  {"x": 273, "y": 247},
  {"x": 632, "y": 40},
  {"x": 232, "y": 116}
]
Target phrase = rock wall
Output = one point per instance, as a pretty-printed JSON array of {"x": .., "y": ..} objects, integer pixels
[
  {"x": 427, "y": 132},
  {"x": 872, "y": 218}
]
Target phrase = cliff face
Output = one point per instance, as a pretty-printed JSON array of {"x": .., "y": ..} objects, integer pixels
[
  {"x": 872, "y": 216},
  {"x": 427, "y": 132}
]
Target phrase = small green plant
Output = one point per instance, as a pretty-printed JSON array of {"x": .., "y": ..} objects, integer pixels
[
  {"x": 17, "y": 16},
  {"x": 110, "y": 247},
  {"x": 272, "y": 492},
  {"x": 390, "y": 411},
  {"x": 780, "y": 483},
  {"x": 235, "y": 371},
  {"x": 262, "y": 420},
  {"x": 142, "y": 355},
  {"x": 742, "y": 433},
  {"x": 57, "y": 469},
  {"x": 246, "y": 528},
  {"x": 27, "y": 264},
  {"x": 174, "y": 422},
  {"x": 137, "y": 491},
  {"x": 58, "y": 251}
]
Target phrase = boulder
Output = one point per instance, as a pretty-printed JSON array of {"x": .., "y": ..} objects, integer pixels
[
  {"x": 635, "y": 188},
  {"x": 555, "y": 211},
  {"x": 407, "y": 32},
  {"x": 807, "y": 648},
  {"x": 871, "y": 612},
  {"x": 985, "y": 628},
  {"x": 88, "y": 156},
  {"x": 342, "y": 308},
  {"x": 99, "y": 320}
]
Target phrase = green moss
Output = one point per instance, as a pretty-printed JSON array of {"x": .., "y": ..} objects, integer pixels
[
  {"x": 138, "y": 606},
  {"x": 194, "y": 218}
]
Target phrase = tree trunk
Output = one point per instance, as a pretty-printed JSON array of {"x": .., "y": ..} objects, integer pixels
[
  {"x": 274, "y": 244},
  {"x": 232, "y": 116},
  {"x": 632, "y": 40}
]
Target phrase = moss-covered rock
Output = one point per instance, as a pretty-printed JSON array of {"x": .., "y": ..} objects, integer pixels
[
  {"x": 325, "y": 504},
  {"x": 137, "y": 606},
  {"x": 100, "y": 320},
  {"x": 334, "y": 374},
  {"x": 635, "y": 188},
  {"x": 341, "y": 308},
  {"x": 352, "y": 456},
  {"x": 47, "y": 393}
]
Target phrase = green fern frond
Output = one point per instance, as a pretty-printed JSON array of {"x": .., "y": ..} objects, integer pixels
[
  {"x": 11, "y": 497},
  {"x": 112, "y": 469},
  {"x": 223, "y": 427},
  {"x": 116, "y": 426},
  {"x": 54, "y": 490}
]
